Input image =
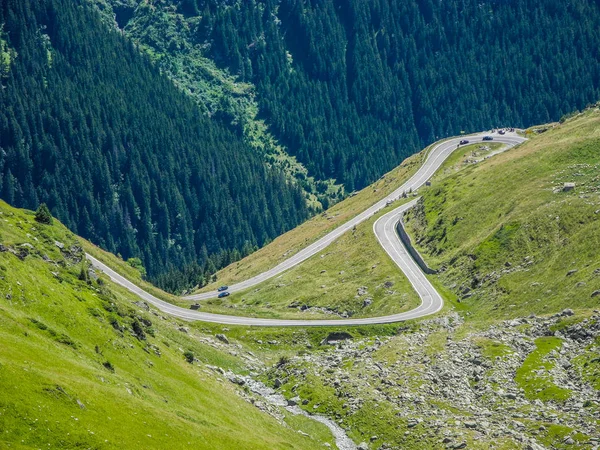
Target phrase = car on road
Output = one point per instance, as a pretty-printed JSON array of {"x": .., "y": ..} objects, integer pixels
[
  {"x": 222, "y": 288},
  {"x": 223, "y": 294},
  {"x": 488, "y": 138},
  {"x": 464, "y": 142}
]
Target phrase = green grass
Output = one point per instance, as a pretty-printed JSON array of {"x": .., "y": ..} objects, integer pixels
[
  {"x": 492, "y": 349},
  {"x": 503, "y": 232},
  {"x": 75, "y": 373},
  {"x": 555, "y": 435},
  {"x": 536, "y": 385},
  {"x": 330, "y": 279},
  {"x": 465, "y": 156},
  {"x": 126, "y": 270}
]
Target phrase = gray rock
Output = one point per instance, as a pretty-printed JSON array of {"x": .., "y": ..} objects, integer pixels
[
  {"x": 293, "y": 401},
  {"x": 367, "y": 302},
  {"x": 277, "y": 383},
  {"x": 363, "y": 446},
  {"x": 59, "y": 244},
  {"x": 222, "y": 338},
  {"x": 534, "y": 446},
  {"x": 571, "y": 272},
  {"x": 567, "y": 312},
  {"x": 596, "y": 293},
  {"x": 336, "y": 336},
  {"x": 142, "y": 305}
]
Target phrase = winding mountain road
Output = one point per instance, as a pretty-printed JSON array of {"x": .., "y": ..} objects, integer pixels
[{"x": 385, "y": 231}]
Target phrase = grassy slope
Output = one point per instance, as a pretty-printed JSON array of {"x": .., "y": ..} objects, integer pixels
[
  {"x": 529, "y": 379},
  {"x": 58, "y": 334},
  {"x": 330, "y": 279},
  {"x": 294, "y": 240},
  {"x": 499, "y": 229}
]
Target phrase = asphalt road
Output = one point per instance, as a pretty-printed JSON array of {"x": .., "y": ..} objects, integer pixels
[
  {"x": 435, "y": 158},
  {"x": 385, "y": 231}
]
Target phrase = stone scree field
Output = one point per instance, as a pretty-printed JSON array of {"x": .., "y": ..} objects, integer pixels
[{"x": 524, "y": 383}]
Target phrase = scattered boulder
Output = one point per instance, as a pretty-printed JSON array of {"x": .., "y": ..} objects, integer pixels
[
  {"x": 596, "y": 293},
  {"x": 142, "y": 305},
  {"x": 363, "y": 446},
  {"x": 362, "y": 291},
  {"x": 222, "y": 338},
  {"x": 367, "y": 302},
  {"x": 336, "y": 336},
  {"x": 567, "y": 312},
  {"x": 412, "y": 423},
  {"x": 571, "y": 272}
]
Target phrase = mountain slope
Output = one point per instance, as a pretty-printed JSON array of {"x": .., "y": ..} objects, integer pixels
[
  {"x": 514, "y": 362},
  {"x": 84, "y": 364},
  {"x": 351, "y": 88},
  {"x": 508, "y": 237},
  {"x": 167, "y": 36},
  {"x": 120, "y": 154}
]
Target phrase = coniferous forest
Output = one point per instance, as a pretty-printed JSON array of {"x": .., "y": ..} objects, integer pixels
[
  {"x": 349, "y": 87},
  {"x": 352, "y": 86},
  {"x": 122, "y": 157}
]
